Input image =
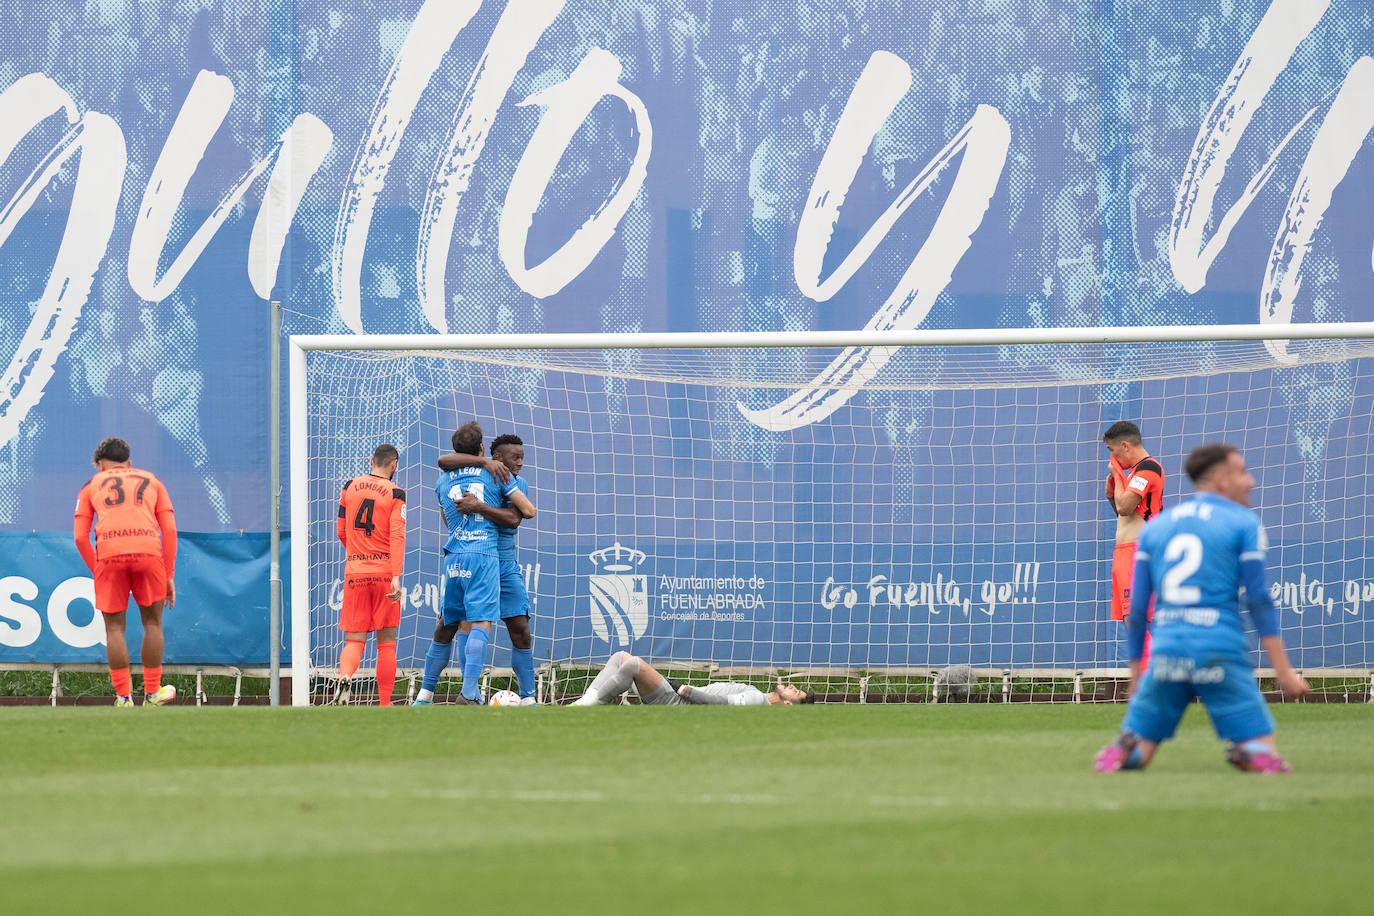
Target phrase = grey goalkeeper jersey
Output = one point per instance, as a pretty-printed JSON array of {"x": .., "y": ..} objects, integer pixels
[{"x": 724, "y": 694}]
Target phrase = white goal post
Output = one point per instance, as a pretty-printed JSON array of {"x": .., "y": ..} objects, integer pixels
[{"x": 864, "y": 503}]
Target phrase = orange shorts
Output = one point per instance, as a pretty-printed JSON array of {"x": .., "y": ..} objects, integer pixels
[
  {"x": 366, "y": 608},
  {"x": 140, "y": 574},
  {"x": 1123, "y": 563}
]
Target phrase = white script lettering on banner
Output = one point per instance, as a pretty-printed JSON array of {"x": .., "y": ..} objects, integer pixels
[
  {"x": 297, "y": 155},
  {"x": 566, "y": 107},
  {"x": 983, "y": 141},
  {"x": 1285, "y": 25},
  {"x": 515, "y": 35},
  {"x": 97, "y": 142}
]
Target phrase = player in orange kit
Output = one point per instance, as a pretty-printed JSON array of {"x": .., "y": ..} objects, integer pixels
[
  {"x": 135, "y": 553},
  {"x": 372, "y": 526},
  {"x": 1135, "y": 491}
]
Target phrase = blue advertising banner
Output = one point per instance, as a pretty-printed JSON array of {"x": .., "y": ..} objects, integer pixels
[
  {"x": 424, "y": 166},
  {"x": 903, "y": 606},
  {"x": 220, "y": 617}
]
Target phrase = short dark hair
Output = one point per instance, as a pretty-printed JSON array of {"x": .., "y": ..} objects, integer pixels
[
  {"x": 808, "y": 696},
  {"x": 1122, "y": 430},
  {"x": 111, "y": 449},
  {"x": 385, "y": 453},
  {"x": 505, "y": 439},
  {"x": 467, "y": 439},
  {"x": 1204, "y": 458}
]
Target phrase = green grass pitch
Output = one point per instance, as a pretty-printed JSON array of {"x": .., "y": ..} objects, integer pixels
[{"x": 841, "y": 809}]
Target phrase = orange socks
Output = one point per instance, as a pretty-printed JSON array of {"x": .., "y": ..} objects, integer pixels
[
  {"x": 123, "y": 683},
  {"x": 386, "y": 671},
  {"x": 352, "y": 656},
  {"x": 349, "y": 659},
  {"x": 152, "y": 679}
]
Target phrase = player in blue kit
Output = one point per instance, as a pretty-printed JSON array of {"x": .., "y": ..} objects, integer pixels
[
  {"x": 472, "y": 583},
  {"x": 509, "y": 451},
  {"x": 1194, "y": 559}
]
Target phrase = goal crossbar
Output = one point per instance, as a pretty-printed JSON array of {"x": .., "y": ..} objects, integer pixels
[{"x": 867, "y": 337}]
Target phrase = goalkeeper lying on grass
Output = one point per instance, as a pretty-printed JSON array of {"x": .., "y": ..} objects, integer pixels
[{"x": 654, "y": 689}]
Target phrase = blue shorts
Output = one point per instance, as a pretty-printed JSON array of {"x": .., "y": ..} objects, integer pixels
[
  {"x": 472, "y": 592},
  {"x": 515, "y": 601},
  {"x": 1224, "y": 683}
]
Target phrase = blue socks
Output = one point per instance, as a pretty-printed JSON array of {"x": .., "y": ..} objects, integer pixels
[
  {"x": 436, "y": 660},
  {"x": 474, "y": 654},
  {"x": 460, "y": 646},
  {"x": 522, "y": 660},
  {"x": 471, "y": 653}
]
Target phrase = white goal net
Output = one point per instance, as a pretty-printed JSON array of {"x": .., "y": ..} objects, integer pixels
[{"x": 865, "y": 516}]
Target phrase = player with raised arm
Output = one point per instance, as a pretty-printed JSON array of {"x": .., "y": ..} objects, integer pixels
[
  {"x": 509, "y": 450},
  {"x": 472, "y": 581},
  {"x": 1135, "y": 491},
  {"x": 654, "y": 689},
  {"x": 135, "y": 553},
  {"x": 1195, "y": 559},
  {"x": 372, "y": 526},
  {"x": 508, "y": 459}
]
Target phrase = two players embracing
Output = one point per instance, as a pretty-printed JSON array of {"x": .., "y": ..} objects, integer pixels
[{"x": 481, "y": 502}]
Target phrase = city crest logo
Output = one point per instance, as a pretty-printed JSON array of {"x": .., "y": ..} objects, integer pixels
[{"x": 619, "y": 597}]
